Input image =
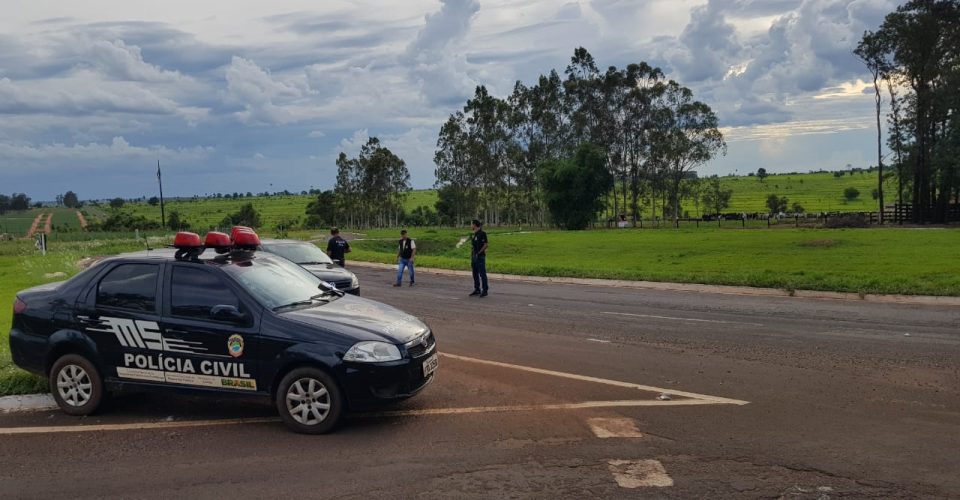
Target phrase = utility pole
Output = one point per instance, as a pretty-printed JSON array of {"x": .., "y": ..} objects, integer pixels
[{"x": 163, "y": 218}]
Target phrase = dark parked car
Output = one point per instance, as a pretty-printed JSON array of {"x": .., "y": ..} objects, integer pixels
[
  {"x": 311, "y": 258},
  {"x": 241, "y": 322}
]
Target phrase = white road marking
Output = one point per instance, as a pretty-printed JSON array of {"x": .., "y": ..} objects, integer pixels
[
  {"x": 614, "y": 428},
  {"x": 135, "y": 426},
  {"x": 640, "y": 473},
  {"x": 585, "y": 378},
  {"x": 600, "y": 341},
  {"x": 695, "y": 320}
]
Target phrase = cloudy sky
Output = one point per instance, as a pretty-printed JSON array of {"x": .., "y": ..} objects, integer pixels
[{"x": 250, "y": 95}]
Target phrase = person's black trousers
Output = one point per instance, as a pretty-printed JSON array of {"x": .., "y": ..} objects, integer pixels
[{"x": 479, "y": 266}]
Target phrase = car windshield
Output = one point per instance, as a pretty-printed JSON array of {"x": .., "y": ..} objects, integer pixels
[
  {"x": 301, "y": 253},
  {"x": 277, "y": 283}
]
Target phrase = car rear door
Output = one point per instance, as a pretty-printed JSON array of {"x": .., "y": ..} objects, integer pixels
[
  {"x": 119, "y": 311},
  {"x": 211, "y": 328}
]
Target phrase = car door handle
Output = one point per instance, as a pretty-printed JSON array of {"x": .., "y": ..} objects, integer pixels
[
  {"x": 88, "y": 320},
  {"x": 174, "y": 331}
]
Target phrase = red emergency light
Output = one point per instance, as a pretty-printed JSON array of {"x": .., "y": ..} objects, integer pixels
[
  {"x": 218, "y": 241},
  {"x": 185, "y": 239},
  {"x": 244, "y": 238},
  {"x": 188, "y": 245}
]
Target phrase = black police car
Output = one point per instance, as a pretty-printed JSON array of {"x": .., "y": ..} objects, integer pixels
[
  {"x": 311, "y": 258},
  {"x": 241, "y": 322}
]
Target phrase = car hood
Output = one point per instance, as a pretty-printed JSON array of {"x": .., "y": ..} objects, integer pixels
[
  {"x": 362, "y": 319},
  {"x": 328, "y": 272}
]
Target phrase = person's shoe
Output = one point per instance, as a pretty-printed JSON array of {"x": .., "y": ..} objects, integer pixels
[
  {"x": 475, "y": 293},
  {"x": 411, "y": 283},
  {"x": 483, "y": 294},
  {"x": 396, "y": 284}
]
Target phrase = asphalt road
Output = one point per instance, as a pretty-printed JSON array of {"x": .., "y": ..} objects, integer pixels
[{"x": 768, "y": 397}]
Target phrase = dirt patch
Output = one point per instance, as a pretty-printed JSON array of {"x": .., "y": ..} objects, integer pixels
[
  {"x": 35, "y": 225},
  {"x": 819, "y": 243},
  {"x": 82, "y": 219}
]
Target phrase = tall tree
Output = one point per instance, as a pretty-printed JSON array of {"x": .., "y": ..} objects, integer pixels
[{"x": 871, "y": 51}]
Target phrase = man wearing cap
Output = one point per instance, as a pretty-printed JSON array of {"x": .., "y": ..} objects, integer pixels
[
  {"x": 337, "y": 248},
  {"x": 406, "y": 250},
  {"x": 478, "y": 259}
]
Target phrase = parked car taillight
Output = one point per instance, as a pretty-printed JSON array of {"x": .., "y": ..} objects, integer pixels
[{"x": 19, "y": 306}]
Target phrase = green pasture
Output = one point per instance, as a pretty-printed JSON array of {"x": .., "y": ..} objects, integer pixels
[
  {"x": 17, "y": 223},
  {"x": 203, "y": 213},
  {"x": 818, "y": 192},
  {"x": 897, "y": 261}
]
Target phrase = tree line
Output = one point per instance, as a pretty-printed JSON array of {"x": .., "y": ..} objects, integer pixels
[
  {"x": 914, "y": 56},
  {"x": 650, "y": 132}
]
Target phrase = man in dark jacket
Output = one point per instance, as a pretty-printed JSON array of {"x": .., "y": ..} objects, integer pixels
[
  {"x": 478, "y": 259},
  {"x": 337, "y": 248},
  {"x": 406, "y": 251}
]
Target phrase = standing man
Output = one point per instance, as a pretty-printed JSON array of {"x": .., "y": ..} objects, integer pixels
[
  {"x": 337, "y": 247},
  {"x": 478, "y": 259},
  {"x": 406, "y": 251}
]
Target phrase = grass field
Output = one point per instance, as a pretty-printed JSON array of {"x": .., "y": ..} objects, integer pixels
[
  {"x": 819, "y": 192},
  {"x": 18, "y": 223},
  {"x": 899, "y": 261}
]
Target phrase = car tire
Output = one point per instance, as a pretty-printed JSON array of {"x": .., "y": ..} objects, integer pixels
[
  {"x": 309, "y": 401},
  {"x": 76, "y": 385}
]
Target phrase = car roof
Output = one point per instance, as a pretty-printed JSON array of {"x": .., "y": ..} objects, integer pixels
[
  {"x": 274, "y": 241},
  {"x": 209, "y": 257}
]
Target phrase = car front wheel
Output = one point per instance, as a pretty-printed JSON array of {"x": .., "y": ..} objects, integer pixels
[
  {"x": 76, "y": 385},
  {"x": 309, "y": 401}
]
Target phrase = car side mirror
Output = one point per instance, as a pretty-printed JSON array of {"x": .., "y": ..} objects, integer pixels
[{"x": 229, "y": 313}]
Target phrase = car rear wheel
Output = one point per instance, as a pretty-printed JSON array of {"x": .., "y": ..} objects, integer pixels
[
  {"x": 309, "y": 401},
  {"x": 76, "y": 385}
]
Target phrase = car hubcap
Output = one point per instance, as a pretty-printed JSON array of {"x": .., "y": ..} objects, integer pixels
[
  {"x": 308, "y": 401},
  {"x": 74, "y": 385}
]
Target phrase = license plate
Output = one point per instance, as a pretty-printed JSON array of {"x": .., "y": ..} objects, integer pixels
[{"x": 430, "y": 365}]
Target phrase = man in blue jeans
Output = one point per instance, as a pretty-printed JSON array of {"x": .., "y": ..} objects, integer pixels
[
  {"x": 478, "y": 259},
  {"x": 406, "y": 250}
]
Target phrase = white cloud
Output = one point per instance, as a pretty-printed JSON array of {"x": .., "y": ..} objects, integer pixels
[
  {"x": 120, "y": 61},
  {"x": 436, "y": 59},
  {"x": 97, "y": 154}
]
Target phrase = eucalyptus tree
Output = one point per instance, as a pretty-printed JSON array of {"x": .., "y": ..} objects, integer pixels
[{"x": 686, "y": 134}]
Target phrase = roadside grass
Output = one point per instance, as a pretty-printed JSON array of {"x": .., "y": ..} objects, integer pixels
[
  {"x": 21, "y": 266},
  {"x": 887, "y": 261}
]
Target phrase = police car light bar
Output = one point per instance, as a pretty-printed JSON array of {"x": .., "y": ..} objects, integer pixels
[
  {"x": 218, "y": 241},
  {"x": 188, "y": 245}
]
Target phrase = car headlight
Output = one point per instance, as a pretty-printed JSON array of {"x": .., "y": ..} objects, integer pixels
[
  {"x": 372, "y": 352},
  {"x": 354, "y": 282}
]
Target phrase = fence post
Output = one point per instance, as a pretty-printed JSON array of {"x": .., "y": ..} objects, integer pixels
[
  {"x": 768, "y": 221},
  {"x": 796, "y": 219},
  {"x": 744, "y": 221}
]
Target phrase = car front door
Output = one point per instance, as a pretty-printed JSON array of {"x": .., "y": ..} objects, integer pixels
[{"x": 210, "y": 333}]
